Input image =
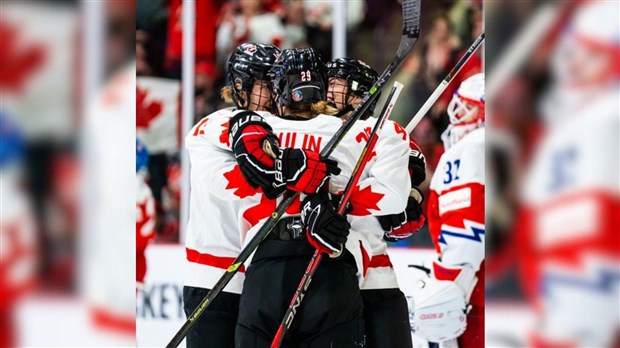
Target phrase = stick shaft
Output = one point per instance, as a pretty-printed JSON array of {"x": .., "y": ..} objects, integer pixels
[{"x": 444, "y": 84}]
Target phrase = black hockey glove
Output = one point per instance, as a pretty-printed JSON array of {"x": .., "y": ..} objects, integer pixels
[
  {"x": 303, "y": 170},
  {"x": 417, "y": 164},
  {"x": 401, "y": 226},
  {"x": 326, "y": 230},
  {"x": 255, "y": 147}
]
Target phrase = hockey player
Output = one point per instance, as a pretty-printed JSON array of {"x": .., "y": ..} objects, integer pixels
[
  {"x": 212, "y": 240},
  {"x": 386, "y": 314},
  {"x": 145, "y": 212},
  {"x": 456, "y": 222}
]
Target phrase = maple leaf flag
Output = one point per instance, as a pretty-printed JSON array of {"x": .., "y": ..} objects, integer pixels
[
  {"x": 18, "y": 61},
  {"x": 146, "y": 110},
  {"x": 157, "y": 113}
]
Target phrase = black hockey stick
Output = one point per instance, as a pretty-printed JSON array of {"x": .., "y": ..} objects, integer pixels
[
  {"x": 411, "y": 31},
  {"x": 444, "y": 84},
  {"x": 365, "y": 156}
]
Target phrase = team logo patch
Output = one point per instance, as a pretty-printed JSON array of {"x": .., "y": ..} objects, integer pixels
[
  {"x": 250, "y": 49},
  {"x": 297, "y": 95}
]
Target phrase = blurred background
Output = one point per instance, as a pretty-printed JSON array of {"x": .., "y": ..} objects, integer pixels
[
  {"x": 65, "y": 71},
  {"x": 553, "y": 184}
]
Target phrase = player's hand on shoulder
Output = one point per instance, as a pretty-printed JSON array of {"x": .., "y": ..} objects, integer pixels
[
  {"x": 302, "y": 170},
  {"x": 401, "y": 226},
  {"x": 255, "y": 148},
  {"x": 326, "y": 230}
]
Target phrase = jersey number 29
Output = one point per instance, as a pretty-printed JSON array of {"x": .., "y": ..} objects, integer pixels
[{"x": 305, "y": 75}]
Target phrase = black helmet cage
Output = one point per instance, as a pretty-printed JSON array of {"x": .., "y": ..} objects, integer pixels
[
  {"x": 358, "y": 75},
  {"x": 298, "y": 77},
  {"x": 248, "y": 63}
]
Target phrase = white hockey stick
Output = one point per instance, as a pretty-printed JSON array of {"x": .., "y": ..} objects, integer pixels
[{"x": 444, "y": 84}]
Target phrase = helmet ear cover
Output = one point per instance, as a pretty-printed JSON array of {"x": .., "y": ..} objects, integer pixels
[
  {"x": 249, "y": 63},
  {"x": 239, "y": 83}
]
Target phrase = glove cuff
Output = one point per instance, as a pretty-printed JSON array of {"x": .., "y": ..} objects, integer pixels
[
  {"x": 242, "y": 120},
  {"x": 416, "y": 193},
  {"x": 463, "y": 276}
]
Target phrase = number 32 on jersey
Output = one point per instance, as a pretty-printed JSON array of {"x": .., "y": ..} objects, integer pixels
[{"x": 452, "y": 171}]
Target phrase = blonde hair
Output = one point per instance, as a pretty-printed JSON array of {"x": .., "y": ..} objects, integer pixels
[
  {"x": 311, "y": 110},
  {"x": 323, "y": 107},
  {"x": 226, "y": 95}
]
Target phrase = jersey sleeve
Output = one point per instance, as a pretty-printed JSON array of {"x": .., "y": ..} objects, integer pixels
[
  {"x": 456, "y": 207},
  {"x": 213, "y": 165},
  {"x": 385, "y": 185}
]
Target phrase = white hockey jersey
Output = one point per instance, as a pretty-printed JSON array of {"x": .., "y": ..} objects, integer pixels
[
  {"x": 145, "y": 225},
  {"x": 383, "y": 187},
  {"x": 456, "y": 207},
  {"x": 18, "y": 243},
  {"x": 212, "y": 238},
  {"x": 378, "y": 268}
]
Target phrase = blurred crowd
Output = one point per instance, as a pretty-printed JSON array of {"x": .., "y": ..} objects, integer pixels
[{"x": 373, "y": 33}]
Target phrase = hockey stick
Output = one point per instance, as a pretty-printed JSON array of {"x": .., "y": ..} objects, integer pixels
[
  {"x": 444, "y": 84},
  {"x": 411, "y": 31},
  {"x": 365, "y": 157}
]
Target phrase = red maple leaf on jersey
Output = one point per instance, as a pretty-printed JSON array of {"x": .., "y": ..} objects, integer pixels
[
  {"x": 237, "y": 182},
  {"x": 224, "y": 136},
  {"x": 18, "y": 61},
  {"x": 363, "y": 200},
  {"x": 146, "y": 111},
  {"x": 144, "y": 217},
  {"x": 260, "y": 211}
]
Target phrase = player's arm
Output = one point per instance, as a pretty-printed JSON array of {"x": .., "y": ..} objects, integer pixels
[
  {"x": 212, "y": 162},
  {"x": 403, "y": 225},
  {"x": 384, "y": 189}
]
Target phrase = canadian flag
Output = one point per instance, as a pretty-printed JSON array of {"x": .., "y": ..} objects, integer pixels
[{"x": 157, "y": 113}]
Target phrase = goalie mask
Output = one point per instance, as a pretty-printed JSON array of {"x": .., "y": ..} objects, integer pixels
[
  {"x": 249, "y": 63},
  {"x": 466, "y": 110},
  {"x": 298, "y": 77},
  {"x": 358, "y": 80}
]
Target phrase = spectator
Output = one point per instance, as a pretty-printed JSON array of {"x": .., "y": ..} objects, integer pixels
[
  {"x": 437, "y": 51},
  {"x": 247, "y": 21},
  {"x": 319, "y": 22},
  {"x": 148, "y": 61}
]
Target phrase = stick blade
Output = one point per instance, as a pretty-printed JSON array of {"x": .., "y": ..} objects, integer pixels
[{"x": 411, "y": 18}]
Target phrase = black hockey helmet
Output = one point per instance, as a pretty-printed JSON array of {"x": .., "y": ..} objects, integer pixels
[
  {"x": 358, "y": 75},
  {"x": 248, "y": 63},
  {"x": 299, "y": 76}
]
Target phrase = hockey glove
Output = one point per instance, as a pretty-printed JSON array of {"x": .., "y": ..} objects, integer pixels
[
  {"x": 255, "y": 147},
  {"x": 417, "y": 164},
  {"x": 326, "y": 230},
  {"x": 303, "y": 170},
  {"x": 403, "y": 225}
]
